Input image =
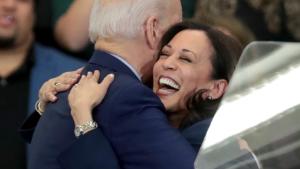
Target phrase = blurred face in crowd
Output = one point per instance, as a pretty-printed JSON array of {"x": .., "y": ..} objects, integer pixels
[
  {"x": 184, "y": 67},
  {"x": 16, "y": 22}
]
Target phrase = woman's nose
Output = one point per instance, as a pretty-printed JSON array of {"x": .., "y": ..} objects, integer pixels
[{"x": 170, "y": 63}]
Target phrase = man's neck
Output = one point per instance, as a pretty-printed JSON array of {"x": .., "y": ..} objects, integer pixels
[
  {"x": 129, "y": 51},
  {"x": 11, "y": 59}
]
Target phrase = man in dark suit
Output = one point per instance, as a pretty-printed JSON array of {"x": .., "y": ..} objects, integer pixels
[{"x": 126, "y": 37}]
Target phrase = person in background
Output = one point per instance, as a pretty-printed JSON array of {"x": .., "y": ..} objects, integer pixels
[
  {"x": 274, "y": 20},
  {"x": 76, "y": 17},
  {"x": 228, "y": 25},
  {"x": 24, "y": 66},
  {"x": 188, "y": 8}
]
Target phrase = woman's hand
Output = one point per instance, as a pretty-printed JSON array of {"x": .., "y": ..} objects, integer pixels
[
  {"x": 50, "y": 88},
  {"x": 87, "y": 94}
]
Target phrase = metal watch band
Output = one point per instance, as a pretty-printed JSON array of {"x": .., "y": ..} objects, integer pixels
[{"x": 84, "y": 128}]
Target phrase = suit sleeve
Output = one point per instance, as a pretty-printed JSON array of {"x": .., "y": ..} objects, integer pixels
[
  {"x": 91, "y": 151},
  {"x": 28, "y": 127}
]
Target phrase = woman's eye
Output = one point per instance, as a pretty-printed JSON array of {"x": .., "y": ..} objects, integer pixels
[
  {"x": 163, "y": 54},
  {"x": 185, "y": 59}
]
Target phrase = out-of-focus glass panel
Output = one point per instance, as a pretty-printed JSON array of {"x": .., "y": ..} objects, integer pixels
[{"x": 258, "y": 123}]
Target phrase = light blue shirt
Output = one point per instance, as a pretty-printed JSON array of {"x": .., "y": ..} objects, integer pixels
[{"x": 128, "y": 65}]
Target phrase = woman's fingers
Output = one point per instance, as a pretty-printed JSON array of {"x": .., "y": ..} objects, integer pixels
[
  {"x": 96, "y": 75},
  {"x": 72, "y": 74},
  {"x": 50, "y": 96},
  {"x": 58, "y": 84},
  {"x": 63, "y": 81},
  {"x": 62, "y": 87},
  {"x": 89, "y": 75},
  {"x": 82, "y": 79},
  {"x": 107, "y": 81},
  {"x": 78, "y": 71},
  {"x": 67, "y": 78},
  {"x": 91, "y": 78}
]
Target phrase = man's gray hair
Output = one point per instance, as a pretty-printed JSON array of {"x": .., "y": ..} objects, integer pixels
[{"x": 123, "y": 18}]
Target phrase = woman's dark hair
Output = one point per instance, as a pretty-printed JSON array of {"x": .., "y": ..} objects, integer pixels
[{"x": 224, "y": 59}]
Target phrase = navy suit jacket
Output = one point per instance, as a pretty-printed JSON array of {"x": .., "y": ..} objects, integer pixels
[
  {"x": 195, "y": 134},
  {"x": 132, "y": 118}
]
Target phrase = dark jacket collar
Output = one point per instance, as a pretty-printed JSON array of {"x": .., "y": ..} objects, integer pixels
[{"x": 107, "y": 60}]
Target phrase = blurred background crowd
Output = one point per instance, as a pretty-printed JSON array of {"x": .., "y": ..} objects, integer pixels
[{"x": 247, "y": 20}]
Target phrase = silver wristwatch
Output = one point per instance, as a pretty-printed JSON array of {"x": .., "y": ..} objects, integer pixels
[{"x": 84, "y": 128}]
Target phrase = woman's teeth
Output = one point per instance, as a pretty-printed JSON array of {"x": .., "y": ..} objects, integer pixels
[{"x": 168, "y": 83}]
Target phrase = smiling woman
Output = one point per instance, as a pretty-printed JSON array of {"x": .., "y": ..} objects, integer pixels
[
  {"x": 196, "y": 63},
  {"x": 183, "y": 68}
]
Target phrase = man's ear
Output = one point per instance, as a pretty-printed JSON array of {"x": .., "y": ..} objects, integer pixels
[
  {"x": 218, "y": 88},
  {"x": 151, "y": 29}
]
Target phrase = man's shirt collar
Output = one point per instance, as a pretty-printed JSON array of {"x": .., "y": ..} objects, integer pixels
[{"x": 127, "y": 64}]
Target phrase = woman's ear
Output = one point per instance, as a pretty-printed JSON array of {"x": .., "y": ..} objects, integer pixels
[
  {"x": 151, "y": 29},
  {"x": 217, "y": 89}
]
